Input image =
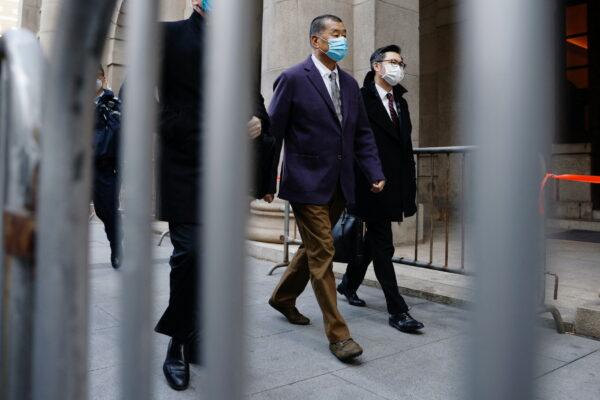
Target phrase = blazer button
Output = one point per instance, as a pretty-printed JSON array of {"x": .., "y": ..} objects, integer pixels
[{"x": 339, "y": 156}]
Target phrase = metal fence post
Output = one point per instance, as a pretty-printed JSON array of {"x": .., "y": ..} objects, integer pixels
[
  {"x": 510, "y": 120},
  {"x": 61, "y": 295},
  {"x": 21, "y": 87},
  {"x": 140, "y": 123},
  {"x": 230, "y": 35}
]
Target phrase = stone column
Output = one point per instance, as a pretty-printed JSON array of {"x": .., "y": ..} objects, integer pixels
[
  {"x": 30, "y": 15},
  {"x": 48, "y": 19},
  {"x": 174, "y": 10}
]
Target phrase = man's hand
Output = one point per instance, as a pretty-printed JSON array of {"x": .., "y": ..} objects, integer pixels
[
  {"x": 377, "y": 186},
  {"x": 254, "y": 128},
  {"x": 269, "y": 198}
]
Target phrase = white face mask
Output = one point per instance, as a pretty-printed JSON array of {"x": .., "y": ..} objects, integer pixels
[
  {"x": 98, "y": 85},
  {"x": 393, "y": 74}
]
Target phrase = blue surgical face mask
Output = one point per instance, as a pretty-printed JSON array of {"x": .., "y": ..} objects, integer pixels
[
  {"x": 207, "y": 5},
  {"x": 338, "y": 48}
]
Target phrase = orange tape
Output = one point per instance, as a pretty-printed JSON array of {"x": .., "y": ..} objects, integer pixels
[{"x": 565, "y": 177}]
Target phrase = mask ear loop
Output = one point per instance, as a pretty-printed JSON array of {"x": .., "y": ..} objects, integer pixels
[{"x": 318, "y": 48}]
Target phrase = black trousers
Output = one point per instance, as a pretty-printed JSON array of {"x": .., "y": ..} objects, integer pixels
[
  {"x": 379, "y": 248},
  {"x": 106, "y": 204},
  {"x": 182, "y": 316}
]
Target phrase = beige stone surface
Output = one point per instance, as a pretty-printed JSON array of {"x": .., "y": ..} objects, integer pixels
[
  {"x": 30, "y": 15},
  {"x": 587, "y": 320},
  {"x": 266, "y": 222}
]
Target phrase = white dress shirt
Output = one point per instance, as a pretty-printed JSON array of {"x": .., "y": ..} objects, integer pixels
[
  {"x": 325, "y": 74},
  {"x": 383, "y": 96}
]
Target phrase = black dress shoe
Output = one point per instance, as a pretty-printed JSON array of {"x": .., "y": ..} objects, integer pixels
[
  {"x": 352, "y": 298},
  {"x": 405, "y": 323},
  {"x": 175, "y": 367}
]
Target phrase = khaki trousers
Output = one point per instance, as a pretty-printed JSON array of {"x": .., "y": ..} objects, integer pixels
[{"x": 314, "y": 262}]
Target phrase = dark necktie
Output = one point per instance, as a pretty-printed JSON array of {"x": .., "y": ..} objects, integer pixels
[{"x": 393, "y": 112}]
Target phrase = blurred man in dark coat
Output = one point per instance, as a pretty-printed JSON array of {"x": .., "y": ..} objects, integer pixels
[
  {"x": 107, "y": 131},
  {"x": 390, "y": 121},
  {"x": 180, "y": 169}
]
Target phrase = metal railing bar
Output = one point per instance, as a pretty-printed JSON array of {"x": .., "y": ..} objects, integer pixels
[
  {"x": 60, "y": 346},
  {"x": 417, "y": 217},
  {"x": 443, "y": 150},
  {"x": 463, "y": 211},
  {"x": 431, "y": 200},
  {"x": 225, "y": 209},
  {"x": 447, "y": 212},
  {"x": 140, "y": 108},
  {"x": 433, "y": 267}
]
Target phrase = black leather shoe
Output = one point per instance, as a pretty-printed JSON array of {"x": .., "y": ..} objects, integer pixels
[
  {"x": 405, "y": 323},
  {"x": 352, "y": 298},
  {"x": 175, "y": 367}
]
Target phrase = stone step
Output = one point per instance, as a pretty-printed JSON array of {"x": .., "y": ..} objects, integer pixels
[{"x": 574, "y": 224}]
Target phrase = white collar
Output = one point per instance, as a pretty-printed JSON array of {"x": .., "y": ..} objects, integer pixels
[
  {"x": 323, "y": 70},
  {"x": 382, "y": 93}
]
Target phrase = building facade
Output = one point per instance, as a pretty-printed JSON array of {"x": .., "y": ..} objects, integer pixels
[
  {"x": 428, "y": 31},
  {"x": 9, "y": 14}
]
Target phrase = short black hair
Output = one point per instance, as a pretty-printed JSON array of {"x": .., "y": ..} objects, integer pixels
[
  {"x": 318, "y": 24},
  {"x": 379, "y": 54}
]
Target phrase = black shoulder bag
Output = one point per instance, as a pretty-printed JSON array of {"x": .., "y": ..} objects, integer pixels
[{"x": 348, "y": 238}]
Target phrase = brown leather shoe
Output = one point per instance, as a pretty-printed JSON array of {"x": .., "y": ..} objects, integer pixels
[
  {"x": 346, "y": 350},
  {"x": 291, "y": 313}
]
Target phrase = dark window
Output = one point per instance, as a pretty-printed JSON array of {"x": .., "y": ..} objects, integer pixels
[{"x": 577, "y": 71}]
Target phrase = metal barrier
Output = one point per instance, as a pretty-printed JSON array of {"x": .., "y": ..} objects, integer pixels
[
  {"x": 22, "y": 69},
  {"x": 432, "y": 153}
]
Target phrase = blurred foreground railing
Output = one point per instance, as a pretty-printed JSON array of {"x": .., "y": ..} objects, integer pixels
[{"x": 21, "y": 70}]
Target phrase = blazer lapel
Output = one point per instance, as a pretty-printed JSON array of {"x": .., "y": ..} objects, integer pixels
[{"x": 317, "y": 81}]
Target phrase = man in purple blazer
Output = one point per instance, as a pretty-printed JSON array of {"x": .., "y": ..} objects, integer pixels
[{"x": 318, "y": 111}]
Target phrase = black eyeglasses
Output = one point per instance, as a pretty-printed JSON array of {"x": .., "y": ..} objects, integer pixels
[{"x": 401, "y": 64}]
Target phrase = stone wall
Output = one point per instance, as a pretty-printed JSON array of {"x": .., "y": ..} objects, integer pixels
[
  {"x": 440, "y": 62},
  {"x": 40, "y": 16}
]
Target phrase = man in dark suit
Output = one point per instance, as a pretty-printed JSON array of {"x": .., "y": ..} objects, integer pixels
[
  {"x": 390, "y": 120},
  {"x": 179, "y": 172},
  {"x": 317, "y": 110}
]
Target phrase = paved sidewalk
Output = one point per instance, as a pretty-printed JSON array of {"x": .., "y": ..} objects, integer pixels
[{"x": 292, "y": 362}]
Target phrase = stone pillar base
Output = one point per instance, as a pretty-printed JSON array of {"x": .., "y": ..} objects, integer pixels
[{"x": 266, "y": 222}]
